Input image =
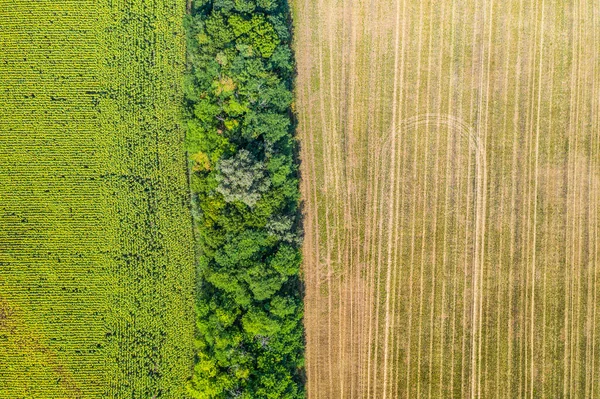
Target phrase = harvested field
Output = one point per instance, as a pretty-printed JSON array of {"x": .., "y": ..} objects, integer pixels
[
  {"x": 96, "y": 248},
  {"x": 451, "y": 184}
]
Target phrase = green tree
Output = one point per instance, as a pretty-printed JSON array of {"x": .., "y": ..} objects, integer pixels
[
  {"x": 242, "y": 178},
  {"x": 244, "y": 183}
]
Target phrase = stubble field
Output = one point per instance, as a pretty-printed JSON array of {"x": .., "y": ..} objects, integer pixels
[{"x": 451, "y": 183}]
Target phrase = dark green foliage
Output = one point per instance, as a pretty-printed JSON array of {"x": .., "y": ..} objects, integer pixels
[{"x": 244, "y": 180}]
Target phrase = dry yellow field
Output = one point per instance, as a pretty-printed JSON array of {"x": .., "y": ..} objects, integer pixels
[{"x": 451, "y": 181}]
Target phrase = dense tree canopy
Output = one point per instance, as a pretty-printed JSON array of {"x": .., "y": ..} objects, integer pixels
[{"x": 250, "y": 340}]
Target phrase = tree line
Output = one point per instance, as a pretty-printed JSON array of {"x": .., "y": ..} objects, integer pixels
[{"x": 245, "y": 200}]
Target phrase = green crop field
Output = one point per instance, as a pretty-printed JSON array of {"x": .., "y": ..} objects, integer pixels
[{"x": 96, "y": 247}]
